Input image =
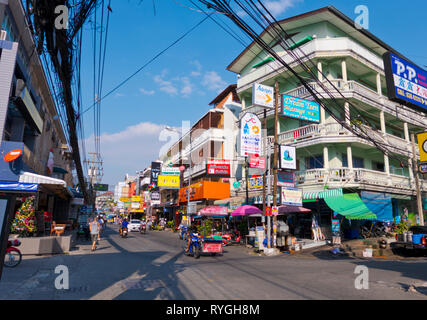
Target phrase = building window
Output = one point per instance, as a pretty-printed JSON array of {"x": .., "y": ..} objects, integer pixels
[
  {"x": 378, "y": 166},
  {"x": 314, "y": 162},
  {"x": 357, "y": 162}
]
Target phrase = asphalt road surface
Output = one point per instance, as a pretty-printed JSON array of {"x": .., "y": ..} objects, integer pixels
[{"x": 153, "y": 266}]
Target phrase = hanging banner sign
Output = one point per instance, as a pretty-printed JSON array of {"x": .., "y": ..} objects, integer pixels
[
  {"x": 255, "y": 183},
  {"x": 292, "y": 196},
  {"x": 288, "y": 157},
  {"x": 155, "y": 172},
  {"x": 422, "y": 146},
  {"x": 406, "y": 82},
  {"x": 218, "y": 168},
  {"x": 262, "y": 95},
  {"x": 300, "y": 109},
  {"x": 155, "y": 198},
  {"x": 257, "y": 162},
  {"x": 275, "y": 211},
  {"x": 268, "y": 211},
  {"x": 250, "y": 135},
  {"x": 168, "y": 182},
  {"x": 285, "y": 179},
  {"x": 170, "y": 171}
]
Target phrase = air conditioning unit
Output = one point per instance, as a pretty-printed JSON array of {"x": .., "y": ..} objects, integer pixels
[{"x": 3, "y": 35}]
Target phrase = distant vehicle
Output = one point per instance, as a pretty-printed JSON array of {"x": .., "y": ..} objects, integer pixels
[
  {"x": 135, "y": 225},
  {"x": 416, "y": 245}
]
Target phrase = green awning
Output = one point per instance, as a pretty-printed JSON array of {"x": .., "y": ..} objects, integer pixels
[
  {"x": 350, "y": 206},
  {"x": 263, "y": 62},
  {"x": 322, "y": 194}
]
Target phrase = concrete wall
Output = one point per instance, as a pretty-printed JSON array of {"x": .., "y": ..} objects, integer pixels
[{"x": 46, "y": 245}]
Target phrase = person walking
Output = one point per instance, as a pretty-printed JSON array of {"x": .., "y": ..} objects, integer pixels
[
  {"x": 102, "y": 226},
  {"x": 94, "y": 228}
]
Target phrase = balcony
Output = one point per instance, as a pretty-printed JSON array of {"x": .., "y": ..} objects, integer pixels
[
  {"x": 357, "y": 178},
  {"x": 332, "y": 47},
  {"x": 197, "y": 169},
  {"x": 336, "y": 133}
]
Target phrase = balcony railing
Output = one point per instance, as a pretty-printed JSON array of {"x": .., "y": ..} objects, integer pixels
[
  {"x": 198, "y": 168},
  {"x": 348, "y": 177}
]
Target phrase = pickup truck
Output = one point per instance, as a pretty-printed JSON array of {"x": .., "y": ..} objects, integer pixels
[{"x": 411, "y": 248}]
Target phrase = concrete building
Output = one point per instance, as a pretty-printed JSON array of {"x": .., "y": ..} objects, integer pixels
[
  {"x": 29, "y": 120},
  {"x": 330, "y": 157},
  {"x": 212, "y": 137}
]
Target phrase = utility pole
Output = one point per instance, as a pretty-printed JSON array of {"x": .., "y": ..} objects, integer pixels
[
  {"x": 247, "y": 179},
  {"x": 276, "y": 119},
  {"x": 266, "y": 177},
  {"x": 95, "y": 172},
  {"x": 417, "y": 181}
]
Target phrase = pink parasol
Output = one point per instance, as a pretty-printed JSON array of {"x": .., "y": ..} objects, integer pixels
[
  {"x": 245, "y": 211},
  {"x": 293, "y": 209}
]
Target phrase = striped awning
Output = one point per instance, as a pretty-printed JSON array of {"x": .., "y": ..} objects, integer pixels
[{"x": 322, "y": 194}]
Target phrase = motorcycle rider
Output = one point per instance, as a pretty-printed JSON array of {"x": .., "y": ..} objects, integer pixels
[
  {"x": 124, "y": 225},
  {"x": 191, "y": 231}
]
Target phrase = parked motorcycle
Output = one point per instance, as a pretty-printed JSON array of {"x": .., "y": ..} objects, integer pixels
[
  {"x": 13, "y": 256},
  {"x": 83, "y": 231}
]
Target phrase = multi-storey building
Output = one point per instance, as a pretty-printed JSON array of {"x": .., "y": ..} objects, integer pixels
[
  {"x": 328, "y": 155},
  {"x": 29, "y": 120},
  {"x": 212, "y": 137}
]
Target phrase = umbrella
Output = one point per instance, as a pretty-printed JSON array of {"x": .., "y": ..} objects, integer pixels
[
  {"x": 245, "y": 211},
  {"x": 293, "y": 209}
]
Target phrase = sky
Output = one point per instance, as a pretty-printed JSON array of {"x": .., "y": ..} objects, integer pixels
[{"x": 181, "y": 83}]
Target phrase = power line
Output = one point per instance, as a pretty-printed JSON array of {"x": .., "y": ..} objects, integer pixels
[{"x": 148, "y": 63}]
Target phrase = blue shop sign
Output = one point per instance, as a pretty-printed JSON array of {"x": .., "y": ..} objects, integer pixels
[{"x": 300, "y": 108}]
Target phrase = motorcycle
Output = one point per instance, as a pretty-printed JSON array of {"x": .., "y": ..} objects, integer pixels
[
  {"x": 13, "y": 256},
  {"x": 195, "y": 246},
  {"x": 143, "y": 228},
  {"x": 124, "y": 232}
]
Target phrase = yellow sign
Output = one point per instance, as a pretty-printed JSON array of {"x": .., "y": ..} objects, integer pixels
[
  {"x": 136, "y": 199},
  {"x": 422, "y": 145},
  {"x": 124, "y": 199},
  {"x": 168, "y": 182}
]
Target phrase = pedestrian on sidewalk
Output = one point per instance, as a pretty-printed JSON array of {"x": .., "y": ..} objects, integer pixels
[
  {"x": 102, "y": 226},
  {"x": 94, "y": 228}
]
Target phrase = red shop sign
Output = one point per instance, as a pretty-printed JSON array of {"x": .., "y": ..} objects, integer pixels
[
  {"x": 218, "y": 168},
  {"x": 257, "y": 162}
]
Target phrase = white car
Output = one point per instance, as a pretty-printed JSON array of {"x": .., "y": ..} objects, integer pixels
[{"x": 134, "y": 225}]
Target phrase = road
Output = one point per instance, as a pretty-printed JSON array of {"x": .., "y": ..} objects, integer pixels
[{"x": 152, "y": 266}]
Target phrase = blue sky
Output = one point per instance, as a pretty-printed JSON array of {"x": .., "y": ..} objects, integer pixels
[{"x": 180, "y": 84}]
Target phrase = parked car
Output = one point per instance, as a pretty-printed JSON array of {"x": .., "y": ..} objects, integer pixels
[
  {"x": 414, "y": 246},
  {"x": 135, "y": 225}
]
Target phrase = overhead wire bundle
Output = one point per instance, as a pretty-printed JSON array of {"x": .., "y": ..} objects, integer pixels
[{"x": 263, "y": 18}]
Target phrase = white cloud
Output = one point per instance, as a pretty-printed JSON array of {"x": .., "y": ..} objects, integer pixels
[
  {"x": 118, "y": 95},
  {"x": 187, "y": 88},
  {"x": 165, "y": 86},
  {"x": 198, "y": 66},
  {"x": 129, "y": 150},
  {"x": 147, "y": 92},
  {"x": 213, "y": 81},
  {"x": 276, "y": 7}
]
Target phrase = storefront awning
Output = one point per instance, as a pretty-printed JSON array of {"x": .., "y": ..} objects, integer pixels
[
  {"x": 350, "y": 206},
  {"x": 230, "y": 201},
  {"x": 29, "y": 177},
  {"x": 18, "y": 186},
  {"x": 322, "y": 194}
]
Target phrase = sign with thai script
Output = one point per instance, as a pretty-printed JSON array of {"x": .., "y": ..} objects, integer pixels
[
  {"x": 300, "y": 109},
  {"x": 285, "y": 179},
  {"x": 257, "y": 162},
  {"x": 170, "y": 171},
  {"x": 218, "y": 168},
  {"x": 292, "y": 196},
  {"x": 168, "y": 181},
  {"x": 250, "y": 135},
  {"x": 255, "y": 183},
  {"x": 406, "y": 82}
]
